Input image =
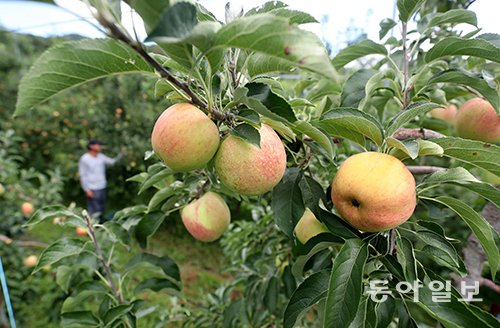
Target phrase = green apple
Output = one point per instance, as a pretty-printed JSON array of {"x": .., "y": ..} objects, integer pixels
[{"x": 308, "y": 227}]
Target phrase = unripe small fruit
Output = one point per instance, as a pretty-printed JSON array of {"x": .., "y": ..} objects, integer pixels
[
  {"x": 308, "y": 227},
  {"x": 207, "y": 218},
  {"x": 185, "y": 138},
  {"x": 2, "y": 189},
  {"x": 80, "y": 231},
  {"x": 478, "y": 120},
  {"x": 247, "y": 169},
  {"x": 27, "y": 209},
  {"x": 30, "y": 261},
  {"x": 374, "y": 192},
  {"x": 446, "y": 114}
]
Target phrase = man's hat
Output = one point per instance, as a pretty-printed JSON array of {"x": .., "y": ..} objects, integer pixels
[{"x": 93, "y": 142}]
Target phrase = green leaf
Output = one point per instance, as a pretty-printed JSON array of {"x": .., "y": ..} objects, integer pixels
[
  {"x": 453, "y": 16},
  {"x": 53, "y": 211},
  {"x": 312, "y": 194},
  {"x": 323, "y": 88},
  {"x": 407, "y": 8},
  {"x": 317, "y": 135},
  {"x": 452, "y": 313},
  {"x": 116, "y": 313},
  {"x": 160, "y": 196},
  {"x": 409, "y": 113},
  {"x": 352, "y": 124},
  {"x": 363, "y": 48},
  {"x": 271, "y": 295},
  {"x": 165, "y": 263},
  {"x": 354, "y": 89},
  {"x": 277, "y": 38},
  {"x": 477, "y": 153},
  {"x": 248, "y": 116},
  {"x": 59, "y": 250},
  {"x": 310, "y": 292},
  {"x": 130, "y": 211},
  {"x": 276, "y": 104},
  {"x": 79, "y": 319},
  {"x": 286, "y": 203},
  {"x": 386, "y": 25},
  {"x": 148, "y": 226},
  {"x": 64, "y": 275},
  {"x": 175, "y": 23},
  {"x": 491, "y": 37},
  {"x": 453, "y": 46},
  {"x": 337, "y": 226},
  {"x": 410, "y": 148},
  {"x": 313, "y": 247},
  {"x": 156, "y": 285},
  {"x": 150, "y": 11},
  {"x": 461, "y": 177},
  {"x": 406, "y": 257},
  {"x": 73, "y": 63},
  {"x": 248, "y": 133},
  {"x": 345, "y": 287},
  {"x": 481, "y": 228},
  {"x": 117, "y": 233},
  {"x": 152, "y": 179},
  {"x": 469, "y": 79},
  {"x": 426, "y": 147},
  {"x": 385, "y": 312}
]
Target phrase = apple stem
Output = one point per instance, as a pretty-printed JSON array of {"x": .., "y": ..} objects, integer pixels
[{"x": 101, "y": 258}]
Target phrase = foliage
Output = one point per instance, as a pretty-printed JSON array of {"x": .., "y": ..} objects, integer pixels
[{"x": 239, "y": 72}]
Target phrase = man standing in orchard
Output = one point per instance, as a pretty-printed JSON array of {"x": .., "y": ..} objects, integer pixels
[{"x": 92, "y": 172}]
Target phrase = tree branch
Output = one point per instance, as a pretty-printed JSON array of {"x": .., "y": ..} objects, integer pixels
[
  {"x": 23, "y": 243},
  {"x": 117, "y": 33},
  {"x": 424, "y": 169},
  {"x": 406, "y": 60},
  {"x": 404, "y": 133},
  {"x": 100, "y": 256}
]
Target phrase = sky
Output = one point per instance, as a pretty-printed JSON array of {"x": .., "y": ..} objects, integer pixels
[{"x": 346, "y": 19}]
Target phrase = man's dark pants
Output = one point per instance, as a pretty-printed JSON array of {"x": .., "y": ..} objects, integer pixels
[{"x": 97, "y": 203}]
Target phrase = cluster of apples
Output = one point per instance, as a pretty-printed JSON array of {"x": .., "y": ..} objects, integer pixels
[
  {"x": 476, "y": 119},
  {"x": 241, "y": 166},
  {"x": 371, "y": 191}
]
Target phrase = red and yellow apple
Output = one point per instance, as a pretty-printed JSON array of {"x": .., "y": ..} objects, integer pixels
[
  {"x": 374, "y": 192},
  {"x": 248, "y": 169},
  {"x": 27, "y": 209},
  {"x": 447, "y": 113},
  {"x": 478, "y": 120},
  {"x": 185, "y": 138},
  {"x": 30, "y": 261},
  {"x": 308, "y": 227},
  {"x": 81, "y": 231},
  {"x": 206, "y": 218}
]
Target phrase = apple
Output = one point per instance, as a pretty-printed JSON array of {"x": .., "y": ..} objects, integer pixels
[
  {"x": 250, "y": 170},
  {"x": 185, "y": 138},
  {"x": 446, "y": 114},
  {"x": 308, "y": 227},
  {"x": 206, "y": 218},
  {"x": 27, "y": 209},
  {"x": 478, "y": 120},
  {"x": 374, "y": 192},
  {"x": 2, "y": 189},
  {"x": 81, "y": 231},
  {"x": 30, "y": 261}
]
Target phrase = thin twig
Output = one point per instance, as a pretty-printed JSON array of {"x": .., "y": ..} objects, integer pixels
[
  {"x": 392, "y": 241},
  {"x": 405, "y": 133},
  {"x": 425, "y": 169},
  {"x": 406, "y": 60},
  {"x": 101, "y": 258},
  {"x": 23, "y": 243}
]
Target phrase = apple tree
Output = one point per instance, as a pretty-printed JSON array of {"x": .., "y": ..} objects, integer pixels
[{"x": 259, "y": 70}]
